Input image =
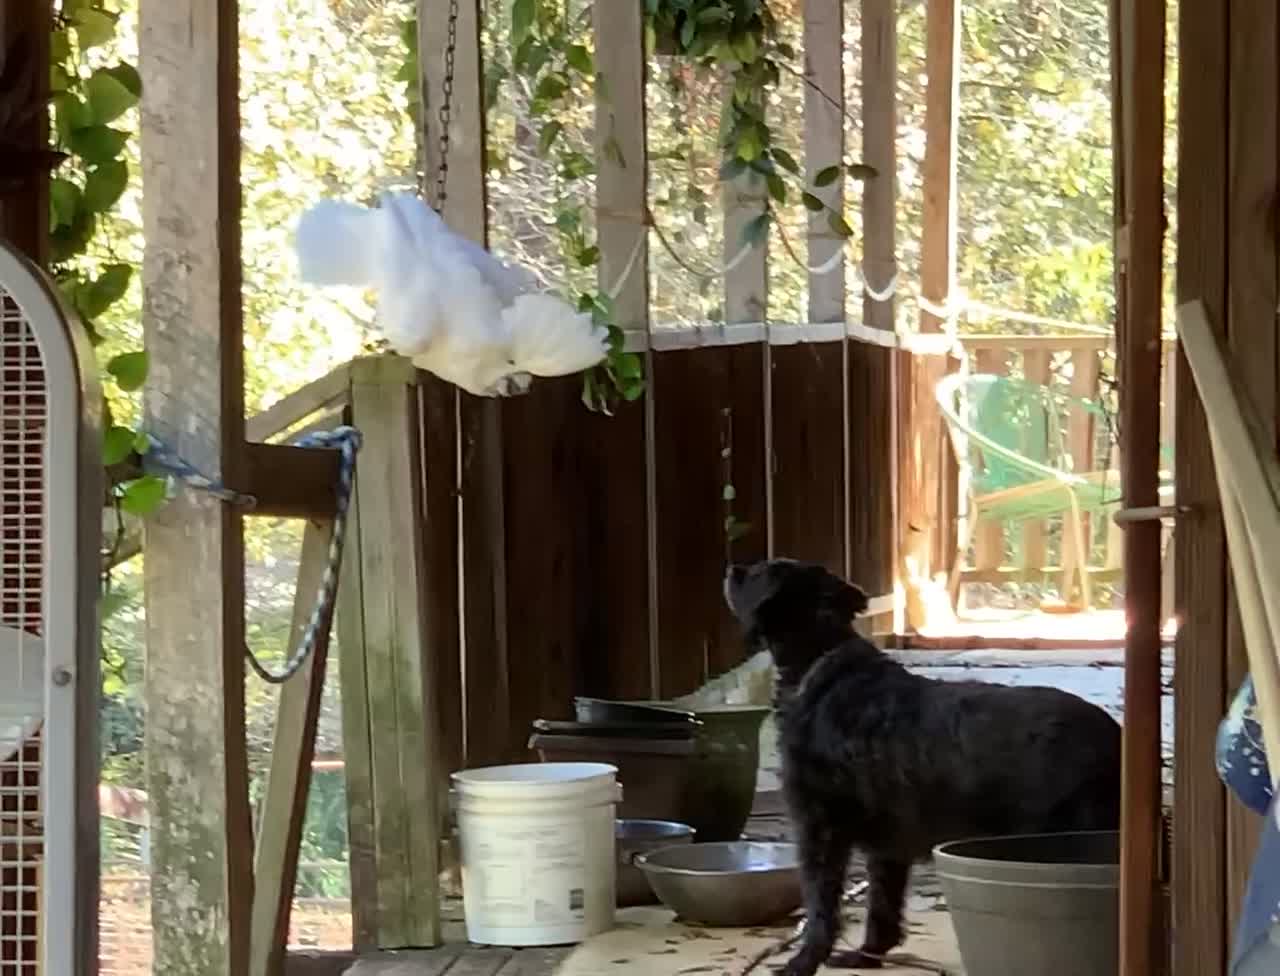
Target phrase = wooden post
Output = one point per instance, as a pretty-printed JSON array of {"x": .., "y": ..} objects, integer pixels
[
  {"x": 879, "y": 59},
  {"x": 622, "y": 187},
  {"x": 1252, "y": 297},
  {"x": 937, "y": 279},
  {"x": 1138, "y": 93},
  {"x": 284, "y": 804},
  {"x": 396, "y": 756},
  {"x": 202, "y": 835},
  {"x": 24, "y": 214}
]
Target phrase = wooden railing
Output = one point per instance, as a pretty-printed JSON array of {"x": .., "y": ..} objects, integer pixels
[{"x": 1032, "y": 551}]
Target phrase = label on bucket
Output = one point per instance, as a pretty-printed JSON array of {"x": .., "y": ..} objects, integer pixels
[{"x": 530, "y": 875}]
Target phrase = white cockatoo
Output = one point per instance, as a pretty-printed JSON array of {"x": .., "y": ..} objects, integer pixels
[{"x": 444, "y": 301}]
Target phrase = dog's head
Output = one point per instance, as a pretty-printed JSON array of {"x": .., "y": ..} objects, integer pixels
[{"x": 799, "y": 611}]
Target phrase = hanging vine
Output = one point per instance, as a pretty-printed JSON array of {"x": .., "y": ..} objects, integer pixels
[
  {"x": 92, "y": 98},
  {"x": 551, "y": 55}
]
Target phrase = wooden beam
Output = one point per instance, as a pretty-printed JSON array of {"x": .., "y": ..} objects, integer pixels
[
  {"x": 1138, "y": 87},
  {"x": 202, "y": 834},
  {"x": 923, "y": 475},
  {"x": 291, "y": 482},
  {"x": 1201, "y": 936},
  {"x": 24, "y": 214},
  {"x": 284, "y": 805}
]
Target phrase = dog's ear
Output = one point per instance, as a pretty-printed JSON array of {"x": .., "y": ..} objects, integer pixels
[{"x": 856, "y": 599}]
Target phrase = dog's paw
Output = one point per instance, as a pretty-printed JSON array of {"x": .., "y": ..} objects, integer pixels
[
  {"x": 803, "y": 963},
  {"x": 854, "y": 959}
]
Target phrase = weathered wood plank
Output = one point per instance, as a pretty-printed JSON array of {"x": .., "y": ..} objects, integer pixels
[
  {"x": 1138, "y": 90},
  {"x": 923, "y": 474},
  {"x": 399, "y": 668},
  {"x": 547, "y": 573},
  {"x": 1201, "y": 937},
  {"x": 872, "y": 455},
  {"x": 1253, "y": 161},
  {"x": 202, "y": 835},
  {"x": 437, "y": 406},
  {"x": 284, "y": 804},
  {"x": 357, "y": 731},
  {"x": 707, "y": 409}
]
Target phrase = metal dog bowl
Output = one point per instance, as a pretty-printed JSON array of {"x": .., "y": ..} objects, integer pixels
[
  {"x": 637, "y": 837},
  {"x": 731, "y": 884}
]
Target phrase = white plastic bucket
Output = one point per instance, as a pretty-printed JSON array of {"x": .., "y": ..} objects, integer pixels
[{"x": 537, "y": 852}]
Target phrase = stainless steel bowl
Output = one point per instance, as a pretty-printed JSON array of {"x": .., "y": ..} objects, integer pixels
[
  {"x": 731, "y": 884},
  {"x": 637, "y": 837}
]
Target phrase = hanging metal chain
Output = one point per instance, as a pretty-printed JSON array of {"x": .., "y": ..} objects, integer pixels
[{"x": 446, "y": 107}]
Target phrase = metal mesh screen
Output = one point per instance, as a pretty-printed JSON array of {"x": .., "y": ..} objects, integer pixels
[{"x": 23, "y": 418}]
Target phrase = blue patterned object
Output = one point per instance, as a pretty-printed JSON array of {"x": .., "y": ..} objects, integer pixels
[
  {"x": 1240, "y": 756},
  {"x": 1257, "y": 948}
]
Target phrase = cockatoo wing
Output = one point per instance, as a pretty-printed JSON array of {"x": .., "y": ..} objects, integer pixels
[
  {"x": 337, "y": 243},
  {"x": 549, "y": 338}
]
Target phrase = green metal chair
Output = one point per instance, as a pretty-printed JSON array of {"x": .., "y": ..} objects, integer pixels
[{"x": 1011, "y": 441}]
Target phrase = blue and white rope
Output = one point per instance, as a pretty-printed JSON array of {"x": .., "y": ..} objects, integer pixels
[{"x": 345, "y": 439}]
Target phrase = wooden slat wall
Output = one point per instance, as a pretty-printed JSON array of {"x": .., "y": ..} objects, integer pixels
[{"x": 1253, "y": 160}]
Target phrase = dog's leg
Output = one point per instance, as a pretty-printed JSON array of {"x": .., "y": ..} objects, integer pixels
[
  {"x": 824, "y": 858},
  {"x": 883, "y": 931}
]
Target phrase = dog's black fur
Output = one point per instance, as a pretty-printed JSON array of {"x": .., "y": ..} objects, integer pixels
[{"x": 878, "y": 758}]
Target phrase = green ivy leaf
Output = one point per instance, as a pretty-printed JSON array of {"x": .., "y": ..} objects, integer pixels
[
  {"x": 839, "y": 225},
  {"x": 130, "y": 370},
  {"x": 93, "y": 27},
  {"x": 777, "y": 189},
  {"x": 812, "y": 202},
  {"x": 827, "y": 176},
  {"x": 522, "y": 15},
  {"x": 70, "y": 113},
  {"x": 142, "y": 444},
  {"x": 64, "y": 201},
  {"x": 786, "y": 161},
  {"x": 728, "y": 493},
  {"x": 117, "y": 445},
  {"x": 551, "y": 87},
  {"x": 144, "y": 495},
  {"x": 98, "y": 143},
  {"x": 105, "y": 184},
  {"x": 579, "y": 59},
  {"x": 70, "y": 240},
  {"x": 409, "y": 34},
  {"x": 861, "y": 171},
  {"x": 59, "y": 47},
  {"x": 589, "y": 256},
  {"x": 108, "y": 97},
  {"x": 748, "y": 146},
  {"x": 548, "y": 136},
  {"x": 128, "y": 76}
]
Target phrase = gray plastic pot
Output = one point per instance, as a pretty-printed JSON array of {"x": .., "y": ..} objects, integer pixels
[{"x": 1034, "y": 905}]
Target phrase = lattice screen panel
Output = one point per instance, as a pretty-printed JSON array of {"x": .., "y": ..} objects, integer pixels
[
  {"x": 50, "y": 551},
  {"x": 23, "y": 418}
]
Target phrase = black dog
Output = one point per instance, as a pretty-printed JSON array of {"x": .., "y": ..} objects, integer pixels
[{"x": 884, "y": 760}]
